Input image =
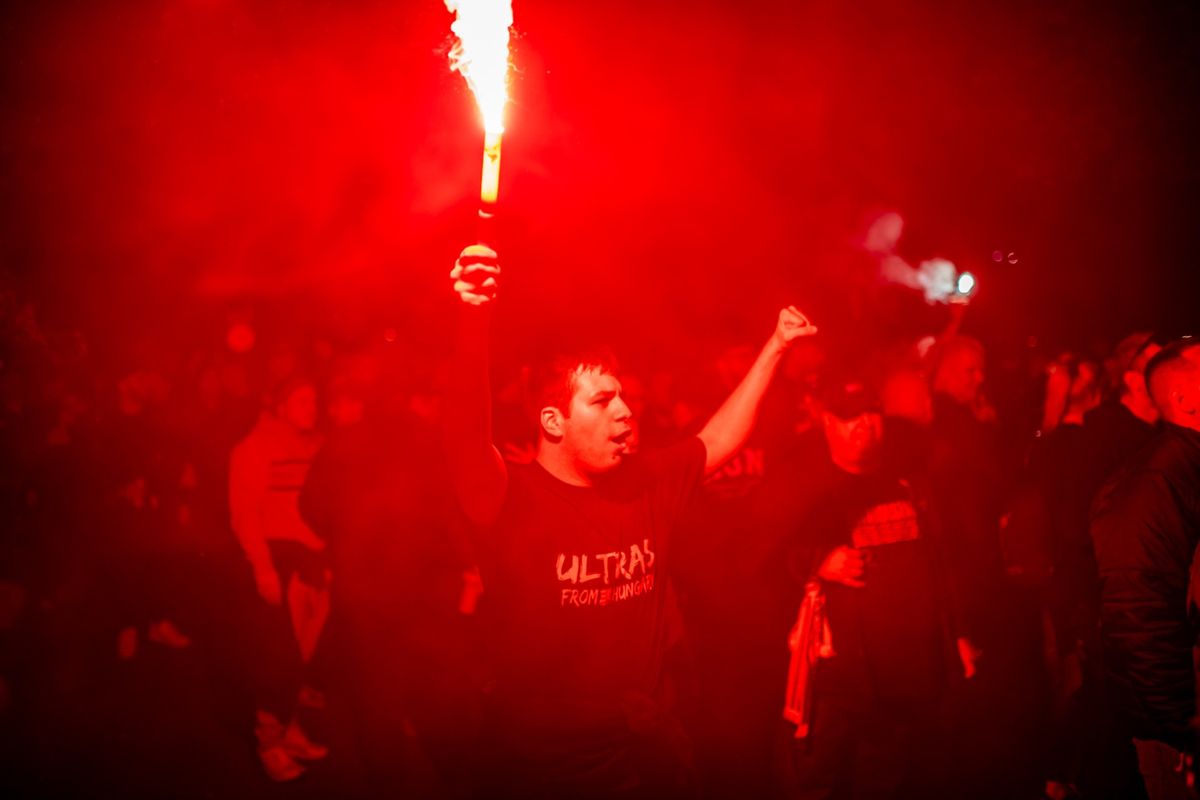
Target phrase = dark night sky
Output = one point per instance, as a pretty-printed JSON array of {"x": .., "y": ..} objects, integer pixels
[{"x": 667, "y": 164}]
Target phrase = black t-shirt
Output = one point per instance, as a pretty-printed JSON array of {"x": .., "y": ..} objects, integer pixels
[
  {"x": 736, "y": 530},
  {"x": 574, "y": 586},
  {"x": 890, "y": 635}
]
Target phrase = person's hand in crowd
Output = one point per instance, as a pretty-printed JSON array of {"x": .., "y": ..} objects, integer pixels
[
  {"x": 1058, "y": 388},
  {"x": 845, "y": 565},
  {"x": 792, "y": 325},
  {"x": 969, "y": 655},
  {"x": 266, "y": 580},
  {"x": 476, "y": 274}
]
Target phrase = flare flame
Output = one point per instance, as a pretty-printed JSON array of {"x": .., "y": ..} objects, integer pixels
[{"x": 481, "y": 56}]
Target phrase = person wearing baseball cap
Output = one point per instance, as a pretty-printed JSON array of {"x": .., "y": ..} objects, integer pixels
[{"x": 865, "y": 550}]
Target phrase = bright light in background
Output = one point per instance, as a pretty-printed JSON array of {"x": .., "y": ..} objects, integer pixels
[
  {"x": 481, "y": 54},
  {"x": 966, "y": 283},
  {"x": 938, "y": 279}
]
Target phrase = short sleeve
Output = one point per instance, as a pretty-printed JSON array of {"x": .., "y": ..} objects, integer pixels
[{"x": 676, "y": 472}]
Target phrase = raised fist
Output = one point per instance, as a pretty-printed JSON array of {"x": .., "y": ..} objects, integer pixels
[
  {"x": 792, "y": 325},
  {"x": 475, "y": 275}
]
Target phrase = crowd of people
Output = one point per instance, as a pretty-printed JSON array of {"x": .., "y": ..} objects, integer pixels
[{"x": 814, "y": 569}]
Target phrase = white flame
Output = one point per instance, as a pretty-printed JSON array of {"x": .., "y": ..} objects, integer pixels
[{"x": 481, "y": 54}]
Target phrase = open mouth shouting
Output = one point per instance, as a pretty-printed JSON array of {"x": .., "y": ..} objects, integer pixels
[{"x": 621, "y": 440}]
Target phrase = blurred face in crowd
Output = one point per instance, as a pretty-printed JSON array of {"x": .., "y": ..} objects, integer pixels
[
  {"x": 299, "y": 408},
  {"x": 906, "y": 395},
  {"x": 129, "y": 396},
  {"x": 594, "y": 431},
  {"x": 1085, "y": 392},
  {"x": 346, "y": 409},
  {"x": 854, "y": 443},
  {"x": 1133, "y": 383},
  {"x": 1176, "y": 389},
  {"x": 960, "y": 374},
  {"x": 140, "y": 389}
]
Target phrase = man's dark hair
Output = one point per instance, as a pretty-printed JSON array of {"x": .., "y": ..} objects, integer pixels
[
  {"x": 553, "y": 381},
  {"x": 1171, "y": 360}
]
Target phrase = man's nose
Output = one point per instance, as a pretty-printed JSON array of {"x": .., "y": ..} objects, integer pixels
[{"x": 621, "y": 409}]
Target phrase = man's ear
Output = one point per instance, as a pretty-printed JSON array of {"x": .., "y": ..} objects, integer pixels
[
  {"x": 552, "y": 422},
  {"x": 1185, "y": 402}
]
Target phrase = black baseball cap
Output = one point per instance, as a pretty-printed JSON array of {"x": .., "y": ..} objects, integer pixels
[{"x": 849, "y": 397}]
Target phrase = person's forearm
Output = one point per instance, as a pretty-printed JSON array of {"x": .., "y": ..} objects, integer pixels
[
  {"x": 729, "y": 428},
  {"x": 469, "y": 396},
  {"x": 957, "y": 312},
  {"x": 804, "y": 562},
  {"x": 254, "y": 546},
  {"x": 248, "y": 479},
  {"x": 476, "y": 467}
]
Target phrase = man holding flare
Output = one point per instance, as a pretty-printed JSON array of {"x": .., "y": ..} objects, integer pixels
[{"x": 573, "y": 548}]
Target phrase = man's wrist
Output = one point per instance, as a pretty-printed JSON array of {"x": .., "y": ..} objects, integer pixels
[
  {"x": 475, "y": 312},
  {"x": 775, "y": 347}
]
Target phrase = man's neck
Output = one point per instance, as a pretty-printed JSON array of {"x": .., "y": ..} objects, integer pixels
[
  {"x": 857, "y": 467},
  {"x": 1187, "y": 423},
  {"x": 561, "y": 466},
  {"x": 1141, "y": 407}
]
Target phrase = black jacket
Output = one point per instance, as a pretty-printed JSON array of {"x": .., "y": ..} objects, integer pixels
[{"x": 1145, "y": 529}]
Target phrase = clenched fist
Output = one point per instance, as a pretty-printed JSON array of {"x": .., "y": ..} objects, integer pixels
[
  {"x": 845, "y": 565},
  {"x": 792, "y": 325},
  {"x": 476, "y": 274}
]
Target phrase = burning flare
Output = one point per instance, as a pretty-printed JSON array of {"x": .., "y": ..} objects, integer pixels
[{"x": 481, "y": 55}]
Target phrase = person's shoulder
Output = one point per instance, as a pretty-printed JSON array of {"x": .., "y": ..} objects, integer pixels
[
  {"x": 253, "y": 444},
  {"x": 526, "y": 478},
  {"x": 523, "y": 471},
  {"x": 1104, "y": 414},
  {"x": 820, "y": 484},
  {"x": 1152, "y": 470},
  {"x": 1170, "y": 452},
  {"x": 686, "y": 447},
  {"x": 686, "y": 452}
]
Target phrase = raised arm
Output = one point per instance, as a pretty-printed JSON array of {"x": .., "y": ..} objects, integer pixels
[
  {"x": 729, "y": 428},
  {"x": 248, "y": 479},
  {"x": 479, "y": 475}
]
